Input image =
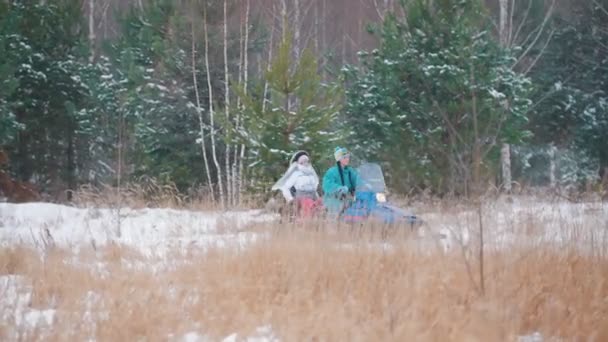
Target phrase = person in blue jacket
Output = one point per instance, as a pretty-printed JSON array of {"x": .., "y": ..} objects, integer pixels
[{"x": 339, "y": 182}]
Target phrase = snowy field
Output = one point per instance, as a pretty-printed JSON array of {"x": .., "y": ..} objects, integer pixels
[
  {"x": 525, "y": 221},
  {"x": 155, "y": 232},
  {"x": 167, "y": 252},
  {"x": 152, "y": 232}
]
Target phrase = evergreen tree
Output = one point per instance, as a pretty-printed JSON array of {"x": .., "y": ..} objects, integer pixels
[
  {"x": 151, "y": 66},
  {"x": 41, "y": 61},
  {"x": 572, "y": 80},
  {"x": 301, "y": 113},
  {"x": 437, "y": 97},
  {"x": 11, "y": 51}
]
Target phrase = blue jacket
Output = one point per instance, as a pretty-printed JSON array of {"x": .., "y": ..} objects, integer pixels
[{"x": 332, "y": 181}]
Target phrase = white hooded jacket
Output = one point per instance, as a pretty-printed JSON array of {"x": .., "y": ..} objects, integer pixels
[{"x": 303, "y": 177}]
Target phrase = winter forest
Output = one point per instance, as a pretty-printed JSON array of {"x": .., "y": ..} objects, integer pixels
[
  {"x": 213, "y": 97},
  {"x": 458, "y": 188}
]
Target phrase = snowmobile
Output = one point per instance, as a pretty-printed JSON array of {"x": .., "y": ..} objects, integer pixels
[{"x": 369, "y": 202}]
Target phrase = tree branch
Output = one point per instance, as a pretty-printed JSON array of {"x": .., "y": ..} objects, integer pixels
[
  {"x": 600, "y": 7},
  {"x": 541, "y": 29},
  {"x": 542, "y": 51},
  {"x": 521, "y": 24},
  {"x": 377, "y": 8},
  {"x": 510, "y": 31}
]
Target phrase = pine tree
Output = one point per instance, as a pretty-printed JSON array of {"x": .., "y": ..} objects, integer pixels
[
  {"x": 437, "y": 88},
  {"x": 573, "y": 89},
  {"x": 299, "y": 113},
  {"x": 41, "y": 90}
]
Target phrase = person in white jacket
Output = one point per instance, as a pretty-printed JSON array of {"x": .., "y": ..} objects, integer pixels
[{"x": 300, "y": 180}]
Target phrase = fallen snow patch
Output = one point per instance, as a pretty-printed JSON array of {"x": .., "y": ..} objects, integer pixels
[
  {"x": 153, "y": 232},
  {"x": 525, "y": 222},
  {"x": 15, "y": 298},
  {"x": 262, "y": 334}
]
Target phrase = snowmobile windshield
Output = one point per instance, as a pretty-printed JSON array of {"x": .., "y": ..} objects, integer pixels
[{"x": 370, "y": 178}]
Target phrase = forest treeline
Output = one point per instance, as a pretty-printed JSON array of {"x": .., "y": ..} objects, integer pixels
[{"x": 449, "y": 96}]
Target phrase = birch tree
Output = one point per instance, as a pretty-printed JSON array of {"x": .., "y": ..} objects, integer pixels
[
  {"x": 505, "y": 151},
  {"x": 246, "y": 82},
  {"x": 199, "y": 113},
  {"x": 229, "y": 177},
  {"x": 92, "y": 30},
  {"x": 211, "y": 113},
  {"x": 297, "y": 29},
  {"x": 509, "y": 37}
]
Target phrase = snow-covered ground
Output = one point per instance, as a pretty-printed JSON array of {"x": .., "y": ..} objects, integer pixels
[
  {"x": 152, "y": 232},
  {"x": 155, "y": 232},
  {"x": 524, "y": 221},
  {"x": 16, "y": 296}
]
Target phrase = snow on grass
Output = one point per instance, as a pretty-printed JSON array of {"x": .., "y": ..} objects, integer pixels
[
  {"x": 152, "y": 232},
  {"x": 262, "y": 334},
  {"x": 155, "y": 232},
  {"x": 15, "y": 298},
  {"x": 244, "y": 286},
  {"x": 26, "y": 322},
  {"x": 524, "y": 221}
]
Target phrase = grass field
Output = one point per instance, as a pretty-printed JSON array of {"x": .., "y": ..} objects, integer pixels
[{"x": 543, "y": 278}]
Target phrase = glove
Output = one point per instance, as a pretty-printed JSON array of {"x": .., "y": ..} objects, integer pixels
[{"x": 343, "y": 190}]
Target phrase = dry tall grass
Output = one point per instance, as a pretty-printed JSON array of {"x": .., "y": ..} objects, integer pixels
[
  {"x": 313, "y": 286},
  {"x": 147, "y": 192}
]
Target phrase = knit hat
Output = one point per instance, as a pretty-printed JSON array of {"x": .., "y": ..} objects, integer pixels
[{"x": 340, "y": 153}]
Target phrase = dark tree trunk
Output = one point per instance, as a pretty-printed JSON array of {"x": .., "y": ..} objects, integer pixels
[{"x": 71, "y": 167}]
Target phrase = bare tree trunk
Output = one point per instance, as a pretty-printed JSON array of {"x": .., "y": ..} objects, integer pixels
[
  {"x": 227, "y": 105},
  {"x": 284, "y": 18},
  {"x": 323, "y": 37},
  {"x": 482, "y": 282},
  {"x": 502, "y": 25},
  {"x": 505, "y": 162},
  {"x": 92, "y": 29},
  {"x": 316, "y": 29},
  {"x": 530, "y": 47},
  {"x": 104, "y": 19},
  {"x": 343, "y": 48},
  {"x": 199, "y": 112},
  {"x": 121, "y": 121},
  {"x": 211, "y": 115},
  {"x": 270, "y": 43},
  {"x": 235, "y": 159},
  {"x": 296, "y": 38},
  {"x": 266, "y": 85},
  {"x": 509, "y": 38},
  {"x": 552, "y": 167},
  {"x": 71, "y": 164},
  {"x": 246, "y": 78},
  {"x": 121, "y": 124},
  {"x": 381, "y": 10},
  {"x": 505, "y": 157},
  {"x": 477, "y": 143},
  {"x": 504, "y": 37},
  {"x": 259, "y": 64}
]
